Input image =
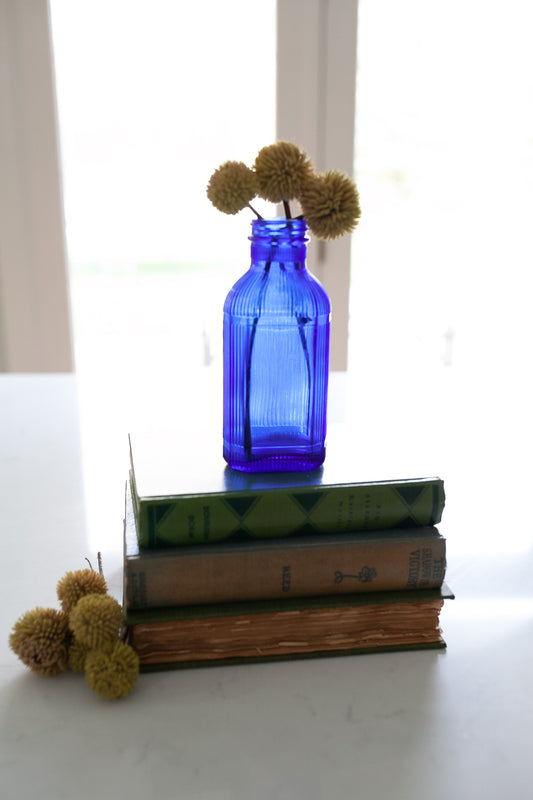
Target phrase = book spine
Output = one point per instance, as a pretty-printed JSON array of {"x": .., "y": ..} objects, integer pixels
[
  {"x": 201, "y": 519},
  {"x": 223, "y": 575}
]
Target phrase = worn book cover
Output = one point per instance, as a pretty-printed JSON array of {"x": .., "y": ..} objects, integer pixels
[
  {"x": 298, "y": 566},
  {"x": 184, "y": 494},
  {"x": 230, "y": 633}
]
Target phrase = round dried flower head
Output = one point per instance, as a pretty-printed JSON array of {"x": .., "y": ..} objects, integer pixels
[
  {"x": 77, "y": 653},
  {"x": 114, "y": 673},
  {"x": 330, "y": 205},
  {"x": 281, "y": 170},
  {"x": 75, "y": 585},
  {"x": 231, "y": 187},
  {"x": 40, "y": 639},
  {"x": 96, "y": 620}
]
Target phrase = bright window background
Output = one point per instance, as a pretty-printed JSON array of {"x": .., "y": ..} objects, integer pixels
[
  {"x": 444, "y": 144},
  {"x": 441, "y": 297},
  {"x": 152, "y": 97}
]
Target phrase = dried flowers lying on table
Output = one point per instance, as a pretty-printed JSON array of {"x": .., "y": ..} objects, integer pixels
[{"x": 85, "y": 635}]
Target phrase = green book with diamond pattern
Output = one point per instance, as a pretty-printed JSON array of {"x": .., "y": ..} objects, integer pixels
[{"x": 185, "y": 494}]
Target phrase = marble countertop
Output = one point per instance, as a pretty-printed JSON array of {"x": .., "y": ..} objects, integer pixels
[{"x": 446, "y": 724}]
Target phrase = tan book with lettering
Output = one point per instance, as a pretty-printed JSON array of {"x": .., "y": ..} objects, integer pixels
[{"x": 298, "y": 566}]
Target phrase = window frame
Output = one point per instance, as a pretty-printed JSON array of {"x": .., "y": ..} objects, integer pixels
[
  {"x": 35, "y": 326},
  {"x": 316, "y": 62},
  {"x": 316, "y": 84}
]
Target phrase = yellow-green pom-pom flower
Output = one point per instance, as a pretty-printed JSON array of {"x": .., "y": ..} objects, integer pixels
[
  {"x": 330, "y": 205},
  {"x": 281, "y": 170},
  {"x": 77, "y": 653},
  {"x": 75, "y": 585},
  {"x": 231, "y": 187},
  {"x": 96, "y": 620},
  {"x": 40, "y": 639},
  {"x": 112, "y": 674}
]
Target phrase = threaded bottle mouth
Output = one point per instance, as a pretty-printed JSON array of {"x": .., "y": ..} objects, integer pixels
[{"x": 279, "y": 229}]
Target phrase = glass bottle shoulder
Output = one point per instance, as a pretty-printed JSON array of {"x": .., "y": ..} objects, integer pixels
[{"x": 274, "y": 289}]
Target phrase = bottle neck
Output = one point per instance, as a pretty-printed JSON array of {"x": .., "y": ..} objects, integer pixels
[{"x": 279, "y": 242}]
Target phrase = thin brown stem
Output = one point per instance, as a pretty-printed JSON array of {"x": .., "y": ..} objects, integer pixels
[
  {"x": 287, "y": 209},
  {"x": 257, "y": 214},
  {"x": 248, "y": 374}
]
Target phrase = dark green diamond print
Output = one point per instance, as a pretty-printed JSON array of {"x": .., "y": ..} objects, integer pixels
[
  {"x": 309, "y": 500},
  {"x": 240, "y": 505},
  {"x": 408, "y": 522},
  {"x": 410, "y": 493},
  {"x": 306, "y": 530},
  {"x": 158, "y": 512}
]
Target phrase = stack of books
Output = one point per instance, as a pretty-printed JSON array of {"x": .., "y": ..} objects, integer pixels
[{"x": 228, "y": 567}]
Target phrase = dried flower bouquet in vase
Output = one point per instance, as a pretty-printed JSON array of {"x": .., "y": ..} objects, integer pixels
[{"x": 277, "y": 316}]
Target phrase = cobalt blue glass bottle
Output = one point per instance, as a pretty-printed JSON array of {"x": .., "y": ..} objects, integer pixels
[{"x": 276, "y": 356}]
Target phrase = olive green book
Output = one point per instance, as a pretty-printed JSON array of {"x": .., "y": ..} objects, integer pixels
[
  {"x": 185, "y": 494},
  {"x": 296, "y": 566},
  {"x": 273, "y": 630}
]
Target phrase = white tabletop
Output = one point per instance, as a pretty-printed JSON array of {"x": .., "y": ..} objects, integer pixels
[{"x": 457, "y": 723}]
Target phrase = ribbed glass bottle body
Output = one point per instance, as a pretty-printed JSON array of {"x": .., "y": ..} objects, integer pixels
[{"x": 276, "y": 356}]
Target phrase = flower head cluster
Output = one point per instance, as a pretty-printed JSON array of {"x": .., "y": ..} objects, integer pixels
[
  {"x": 330, "y": 205},
  {"x": 85, "y": 636},
  {"x": 40, "y": 639},
  {"x": 282, "y": 169},
  {"x": 231, "y": 187},
  {"x": 96, "y": 620},
  {"x": 282, "y": 173},
  {"x": 77, "y": 655},
  {"x": 75, "y": 585},
  {"x": 112, "y": 673}
]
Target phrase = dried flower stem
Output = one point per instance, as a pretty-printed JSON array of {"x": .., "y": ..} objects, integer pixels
[
  {"x": 301, "y": 320},
  {"x": 99, "y": 558},
  {"x": 247, "y": 421},
  {"x": 257, "y": 214}
]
